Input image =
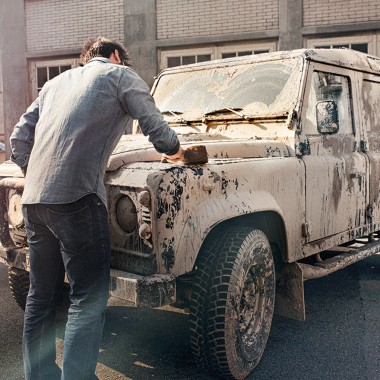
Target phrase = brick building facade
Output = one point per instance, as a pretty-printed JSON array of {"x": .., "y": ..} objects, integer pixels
[
  {"x": 64, "y": 25},
  {"x": 41, "y": 38},
  {"x": 200, "y": 18}
]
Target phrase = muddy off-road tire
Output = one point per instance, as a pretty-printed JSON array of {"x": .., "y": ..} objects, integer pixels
[
  {"x": 232, "y": 302},
  {"x": 19, "y": 285}
]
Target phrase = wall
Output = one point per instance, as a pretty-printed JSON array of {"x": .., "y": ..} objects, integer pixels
[
  {"x": 59, "y": 27},
  {"x": 140, "y": 36},
  {"x": 65, "y": 24},
  {"x": 2, "y": 119},
  {"x": 183, "y": 18},
  {"x": 13, "y": 70},
  {"x": 332, "y": 12}
]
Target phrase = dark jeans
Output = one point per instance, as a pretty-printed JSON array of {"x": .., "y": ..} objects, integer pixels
[{"x": 74, "y": 238}]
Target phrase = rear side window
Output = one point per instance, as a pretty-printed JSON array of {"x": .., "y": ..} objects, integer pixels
[
  {"x": 371, "y": 106},
  {"x": 327, "y": 87},
  {"x": 371, "y": 112}
]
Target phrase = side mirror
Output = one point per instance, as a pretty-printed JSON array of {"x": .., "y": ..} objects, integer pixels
[{"x": 327, "y": 117}]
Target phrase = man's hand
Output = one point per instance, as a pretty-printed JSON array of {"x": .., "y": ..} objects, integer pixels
[
  {"x": 175, "y": 157},
  {"x": 191, "y": 155}
]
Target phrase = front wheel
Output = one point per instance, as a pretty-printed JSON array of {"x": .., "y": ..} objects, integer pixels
[{"x": 232, "y": 302}]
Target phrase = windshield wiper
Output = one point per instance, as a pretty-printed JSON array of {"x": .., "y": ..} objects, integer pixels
[
  {"x": 175, "y": 114},
  {"x": 223, "y": 112},
  {"x": 179, "y": 118}
]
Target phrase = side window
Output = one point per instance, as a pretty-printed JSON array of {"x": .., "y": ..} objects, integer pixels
[
  {"x": 371, "y": 110},
  {"x": 329, "y": 105}
]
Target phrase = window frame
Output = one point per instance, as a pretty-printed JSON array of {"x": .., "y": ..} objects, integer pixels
[
  {"x": 239, "y": 48},
  {"x": 369, "y": 135},
  {"x": 165, "y": 54},
  {"x": 372, "y": 40},
  {"x": 36, "y": 64},
  {"x": 355, "y": 122},
  {"x": 215, "y": 51},
  {"x": 348, "y": 83}
]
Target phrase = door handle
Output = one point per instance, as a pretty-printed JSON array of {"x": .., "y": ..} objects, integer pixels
[{"x": 357, "y": 174}]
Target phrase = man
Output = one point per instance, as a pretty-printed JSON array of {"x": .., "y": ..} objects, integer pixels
[{"x": 63, "y": 143}]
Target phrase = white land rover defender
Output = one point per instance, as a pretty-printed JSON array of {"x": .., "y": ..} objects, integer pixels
[{"x": 290, "y": 193}]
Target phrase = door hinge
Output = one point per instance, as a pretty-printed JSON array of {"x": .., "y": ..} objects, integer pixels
[
  {"x": 369, "y": 212},
  {"x": 306, "y": 229}
]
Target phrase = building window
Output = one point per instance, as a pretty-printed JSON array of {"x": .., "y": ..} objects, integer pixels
[
  {"x": 172, "y": 58},
  {"x": 243, "y": 53},
  {"x": 49, "y": 72},
  {"x": 187, "y": 59},
  {"x": 359, "y": 47},
  {"x": 42, "y": 71},
  {"x": 363, "y": 43}
]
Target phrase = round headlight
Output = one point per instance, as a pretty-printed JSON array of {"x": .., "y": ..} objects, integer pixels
[
  {"x": 15, "y": 210},
  {"x": 126, "y": 214}
]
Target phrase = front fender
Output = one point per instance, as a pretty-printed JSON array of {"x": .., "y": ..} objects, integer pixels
[
  {"x": 204, "y": 217},
  {"x": 192, "y": 200}
]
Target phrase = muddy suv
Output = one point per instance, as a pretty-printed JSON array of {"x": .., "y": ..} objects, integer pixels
[{"x": 290, "y": 193}]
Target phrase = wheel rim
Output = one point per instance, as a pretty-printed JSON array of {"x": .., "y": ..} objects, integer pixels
[{"x": 252, "y": 312}]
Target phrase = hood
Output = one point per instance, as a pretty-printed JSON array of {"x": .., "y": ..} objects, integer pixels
[
  {"x": 10, "y": 169},
  {"x": 137, "y": 148}
]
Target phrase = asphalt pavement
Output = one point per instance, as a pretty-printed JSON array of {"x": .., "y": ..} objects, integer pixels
[{"x": 340, "y": 339}]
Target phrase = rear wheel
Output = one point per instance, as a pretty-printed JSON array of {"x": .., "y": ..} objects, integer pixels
[
  {"x": 232, "y": 302},
  {"x": 19, "y": 285}
]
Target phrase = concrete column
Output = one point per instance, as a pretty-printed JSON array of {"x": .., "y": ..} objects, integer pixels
[
  {"x": 140, "y": 36},
  {"x": 13, "y": 66},
  {"x": 290, "y": 24}
]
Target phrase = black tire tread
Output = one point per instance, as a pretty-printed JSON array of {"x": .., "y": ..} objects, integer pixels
[
  {"x": 210, "y": 291},
  {"x": 19, "y": 285}
]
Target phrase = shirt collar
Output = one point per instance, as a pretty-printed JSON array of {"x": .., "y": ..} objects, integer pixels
[{"x": 99, "y": 59}]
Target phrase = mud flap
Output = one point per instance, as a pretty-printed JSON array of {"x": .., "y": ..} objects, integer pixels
[
  {"x": 143, "y": 291},
  {"x": 290, "y": 300}
]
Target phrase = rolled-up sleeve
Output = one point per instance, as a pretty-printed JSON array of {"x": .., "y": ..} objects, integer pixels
[
  {"x": 134, "y": 95},
  {"x": 22, "y": 138}
]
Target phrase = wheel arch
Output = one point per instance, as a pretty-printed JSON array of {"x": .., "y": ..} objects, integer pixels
[
  {"x": 269, "y": 222},
  {"x": 290, "y": 301},
  {"x": 197, "y": 224}
]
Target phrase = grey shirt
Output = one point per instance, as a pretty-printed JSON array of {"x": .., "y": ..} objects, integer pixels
[{"x": 67, "y": 134}]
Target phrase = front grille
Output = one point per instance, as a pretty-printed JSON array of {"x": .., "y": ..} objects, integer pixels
[{"x": 129, "y": 251}]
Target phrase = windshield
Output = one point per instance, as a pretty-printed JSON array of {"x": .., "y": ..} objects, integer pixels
[{"x": 257, "y": 88}]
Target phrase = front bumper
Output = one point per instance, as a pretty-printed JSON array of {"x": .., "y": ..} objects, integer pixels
[{"x": 141, "y": 291}]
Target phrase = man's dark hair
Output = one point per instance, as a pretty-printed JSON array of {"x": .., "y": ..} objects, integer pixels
[{"x": 103, "y": 47}]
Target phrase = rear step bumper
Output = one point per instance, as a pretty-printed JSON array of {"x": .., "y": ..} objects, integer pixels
[{"x": 347, "y": 256}]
